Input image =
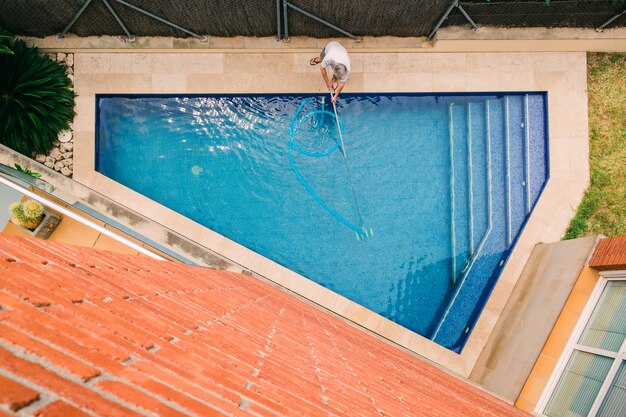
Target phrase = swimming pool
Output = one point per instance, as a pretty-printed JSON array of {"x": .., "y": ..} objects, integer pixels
[{"x": 445, "y": 183}]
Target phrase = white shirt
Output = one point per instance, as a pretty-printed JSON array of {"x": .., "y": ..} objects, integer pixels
[{"x": 335, "y": 54}]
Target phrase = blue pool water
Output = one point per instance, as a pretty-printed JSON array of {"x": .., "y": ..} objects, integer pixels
[{"x": 445, "y": 182}]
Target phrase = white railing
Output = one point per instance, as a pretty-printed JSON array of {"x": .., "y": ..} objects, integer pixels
[{"x": 59, "y": 208}]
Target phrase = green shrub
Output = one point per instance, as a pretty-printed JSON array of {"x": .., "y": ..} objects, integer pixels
[
  {"x": 36, "y": 98},
  {"x": 3, "y": 48}
]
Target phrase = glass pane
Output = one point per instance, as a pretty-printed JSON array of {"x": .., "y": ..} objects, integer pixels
[
  {"x": 579, "y": 385},
  {"x": 615, "y": 401},
  {"x": 606, "y": 328}
]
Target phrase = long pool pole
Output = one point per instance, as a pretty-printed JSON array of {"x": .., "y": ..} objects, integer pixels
[{"x": 345, "y": 160}]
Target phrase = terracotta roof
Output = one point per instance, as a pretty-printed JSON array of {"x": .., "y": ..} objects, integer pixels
[
  {"x": 610, "y": 254},
  {"x": 88, "y": 332}
]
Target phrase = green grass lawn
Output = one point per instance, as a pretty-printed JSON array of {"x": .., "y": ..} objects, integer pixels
[{"x": 603, "y": 209}]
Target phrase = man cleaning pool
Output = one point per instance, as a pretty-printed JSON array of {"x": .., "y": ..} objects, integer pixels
[{"x": 335, "y": 56}]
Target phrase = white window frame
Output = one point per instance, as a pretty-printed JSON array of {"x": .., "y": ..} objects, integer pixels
[{"x": 572, "y": 346}]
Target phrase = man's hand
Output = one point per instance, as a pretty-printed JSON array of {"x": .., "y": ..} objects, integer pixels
[{"x": 335, "y": 91}]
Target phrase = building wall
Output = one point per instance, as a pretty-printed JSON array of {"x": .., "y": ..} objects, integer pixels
[
  {"x": 556, "y": 343},
  {"x": 542, "y": 291},
  {"x": 608, "y": 254}
]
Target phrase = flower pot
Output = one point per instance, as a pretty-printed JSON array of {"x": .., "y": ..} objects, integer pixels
[{"x": 45, "y": 228}]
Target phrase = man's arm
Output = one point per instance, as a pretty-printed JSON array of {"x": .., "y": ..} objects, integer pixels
[
  {"x": 337, "y": 91},
  {"x": 325, "y": 77}
]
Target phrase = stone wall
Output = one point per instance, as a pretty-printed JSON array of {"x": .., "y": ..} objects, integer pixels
[{"x": 61, "y": 157}]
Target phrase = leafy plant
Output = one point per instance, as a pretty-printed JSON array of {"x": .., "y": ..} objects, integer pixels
[
  {"x": 36, "y": 98},
  {"x": 27, "y": 171},
  {"x": 4, "y": 49},
  {"x": 28, "y": 214}
]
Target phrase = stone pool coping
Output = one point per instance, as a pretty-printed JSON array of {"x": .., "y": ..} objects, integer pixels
[{"x": 561, "y": 74}]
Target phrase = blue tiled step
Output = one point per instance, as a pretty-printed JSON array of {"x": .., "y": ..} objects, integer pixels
[{"x": 491, "y": 196}]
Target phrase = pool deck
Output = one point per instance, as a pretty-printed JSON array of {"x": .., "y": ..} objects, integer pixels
[{"x": 555, "y": 64}]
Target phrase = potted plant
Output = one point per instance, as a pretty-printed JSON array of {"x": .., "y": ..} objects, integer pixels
[{"x": 33, "y": 218}]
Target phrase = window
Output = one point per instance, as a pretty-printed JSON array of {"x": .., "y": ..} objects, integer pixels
[{"x": 590, "y": 379}]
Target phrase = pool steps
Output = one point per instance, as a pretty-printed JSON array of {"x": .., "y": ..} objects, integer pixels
[
  {"x": 469, "y": 263},
  {"x": 452, "y": 191},
  {"x": 527, "y": 154},
  {"x": 506, "y": 118},
  {"x": 507, "y": 136},
  {"x": 470, "y": 172}
]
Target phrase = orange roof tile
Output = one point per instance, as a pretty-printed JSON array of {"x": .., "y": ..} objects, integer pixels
[
  {"x": 610, "y": 254},
  {"x": 84, "y": 331},
  {"x": 60, "y": 409},
  {"x": 15, "y": 395}
]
